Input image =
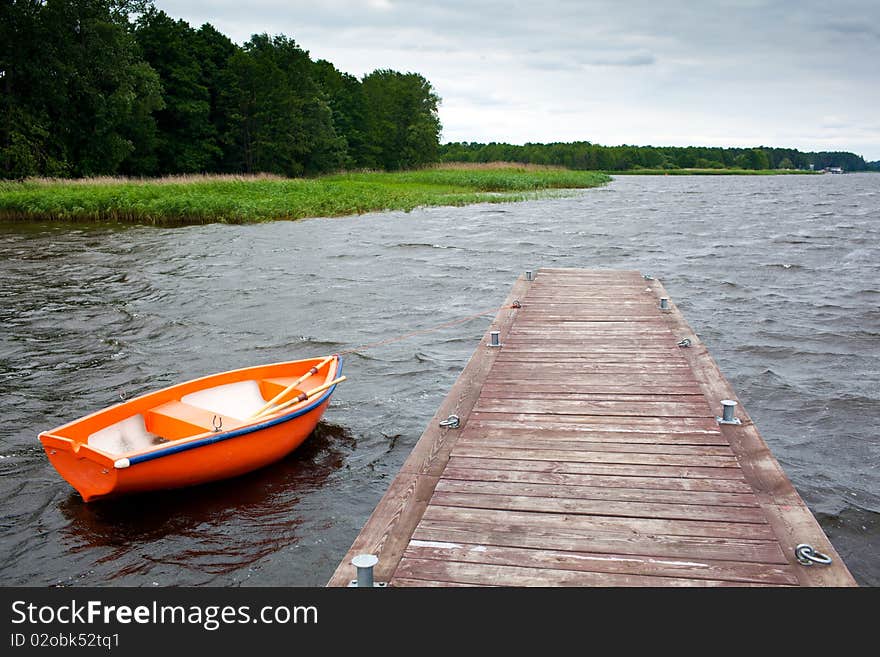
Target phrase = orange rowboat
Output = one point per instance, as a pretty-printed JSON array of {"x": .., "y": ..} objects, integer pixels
[{"x": 206, "y": 429}]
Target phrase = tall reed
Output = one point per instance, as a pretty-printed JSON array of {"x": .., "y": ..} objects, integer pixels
[{"x": 243, "y": 199}]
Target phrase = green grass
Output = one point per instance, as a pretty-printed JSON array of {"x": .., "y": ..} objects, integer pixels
[
  {"x": 239, "y": 199},
  {"x": 710, "y": 172}
]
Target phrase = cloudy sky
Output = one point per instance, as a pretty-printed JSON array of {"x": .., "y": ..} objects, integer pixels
[{"x": 799, "y": 73}]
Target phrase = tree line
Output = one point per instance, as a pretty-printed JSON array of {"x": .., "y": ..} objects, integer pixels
[
  {"x": 107, "y": 87},
  {"x": 588, "y": 156}
]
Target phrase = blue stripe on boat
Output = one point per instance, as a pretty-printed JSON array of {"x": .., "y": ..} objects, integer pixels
[{"x": 210, "y": 440}]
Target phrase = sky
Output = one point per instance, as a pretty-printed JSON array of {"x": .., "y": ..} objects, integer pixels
[{"x": 788, "y": 73}]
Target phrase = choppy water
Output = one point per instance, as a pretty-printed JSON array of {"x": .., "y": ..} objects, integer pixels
[{"x": 779, "y": 275}]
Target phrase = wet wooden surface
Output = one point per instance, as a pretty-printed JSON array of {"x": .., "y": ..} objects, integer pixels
[{"x": 589, "y": 455}]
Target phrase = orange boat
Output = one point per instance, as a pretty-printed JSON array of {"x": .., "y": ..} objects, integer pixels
[{"x": 206, "y": 429}]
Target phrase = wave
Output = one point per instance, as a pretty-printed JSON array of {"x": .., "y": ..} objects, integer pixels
[
  {"x": 424, "y": 245},
  {"x": 784, "y": 266}
]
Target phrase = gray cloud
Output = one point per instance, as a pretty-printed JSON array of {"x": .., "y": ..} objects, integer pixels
[
  {"x": 542, "y": 63},
  {"x": 643, "y": 59},
  {"x": 852, "y": 28}
]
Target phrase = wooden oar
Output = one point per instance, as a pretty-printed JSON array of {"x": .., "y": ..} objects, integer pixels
[
  {"x": 311, "y": 372},
  {"x": 299, "y": 398}
]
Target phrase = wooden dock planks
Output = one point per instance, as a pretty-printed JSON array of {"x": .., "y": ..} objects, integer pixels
[{"x": 589, "y": 455}]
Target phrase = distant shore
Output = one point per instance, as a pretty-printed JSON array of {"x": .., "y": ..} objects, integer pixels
[
  {"x": 712, "y": 172},
  {"x": 198, "y": 199}
]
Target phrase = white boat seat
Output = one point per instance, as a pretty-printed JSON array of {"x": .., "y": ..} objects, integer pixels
[
  {"x": 239, "y": 400},
  {"x": 128, "y": 435},
  {"x": 174, "y": 420}
]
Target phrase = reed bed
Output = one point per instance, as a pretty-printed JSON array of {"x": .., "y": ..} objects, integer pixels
[{"x": 247, "y": 199}]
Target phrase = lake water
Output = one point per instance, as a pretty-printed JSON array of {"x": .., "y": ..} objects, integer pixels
[{"x": 778, "y": 275}]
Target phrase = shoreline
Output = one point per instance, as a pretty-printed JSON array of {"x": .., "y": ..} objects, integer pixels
[
  {"x": 190, "y": 200},
  {"x": 714, "y": 172}
]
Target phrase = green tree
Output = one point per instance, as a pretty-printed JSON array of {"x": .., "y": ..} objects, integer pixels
[
  {"x": 404, "y": 126},
  {"x": 213, "y": 51},
  {"x": 187, "y": 140},
  {"x": 139, "y": 127},
  {"x": 753, "y": 158},
  {"x": 24, "y": 120},
  {"x": 279, "y": 116},
  {"x": 583, "y": 155},
  {"x": 75, "y": 87},
  {"x": 103, "y": 81},
  {"x": 347, "y": 103}
]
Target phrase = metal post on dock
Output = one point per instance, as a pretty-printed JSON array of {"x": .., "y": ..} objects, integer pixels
[
  {"x": 728, "y": 408},
  {"x": 364, "y": 564},
  {"x": 494, "y": 338}
]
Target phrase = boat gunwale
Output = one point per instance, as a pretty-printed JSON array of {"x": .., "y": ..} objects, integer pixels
[
  {"x": 210, "y": 438},
  {"x": 127, "y": 459}
]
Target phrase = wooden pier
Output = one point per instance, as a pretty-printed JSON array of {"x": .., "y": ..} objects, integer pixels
[{"x": 590, "y": 454}]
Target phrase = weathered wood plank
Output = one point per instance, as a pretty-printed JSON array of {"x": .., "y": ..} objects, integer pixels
[
  {"x": 592, "y": 453},
  {"x": 403, "y": 582},
  {"x": 581, "y": 506},
  {"x": 661, "y": 381},
  {"x": 546, "y": 426},
  {"x": 617, "y": 275},
  {"x": 563, "y": 389},
  {"x": 594, "y": 377},
  {"x": 616, "y": 494},
  {"x": 573, "y": 344},
  {"x": 490, "y": 574},
  {"x": 608, "y": 331},
  {"x": 572, "y": 467},
  {"x": 522, "y": 520},
  {"x": 561, "y": 479},
  {"x": 576, "y": 357},
  {"x": 635, "y": 318},
  {"x": 608, "y": 328},
  {"x": 602, "y": 422},
  {"x": 507, "y": 440},
  {"x": 593, "y": 433},
  {"x": 516, "y": 349},
  {"x": 744, "y": 550},
  {"x": 500, "y": 392},
  {"x": 604, "y": 307},
  {"x": 673, "y": 409},
  {"x": 574, "y": 306},
  {"x": 586, "y": 456},
  {"x": 586, "y": 365},
  {"x": 478, "y": 553},
  {"x": 593, "y": 374},
  {"x": 551, "y": 425}
]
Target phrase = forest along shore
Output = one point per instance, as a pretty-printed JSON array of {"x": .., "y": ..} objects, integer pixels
[
  {"x": 249, "y": 199},
  {"x": 714, "y": 172}
]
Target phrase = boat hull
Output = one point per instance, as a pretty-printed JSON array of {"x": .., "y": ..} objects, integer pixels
[{"x": 207, "y": 457}]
